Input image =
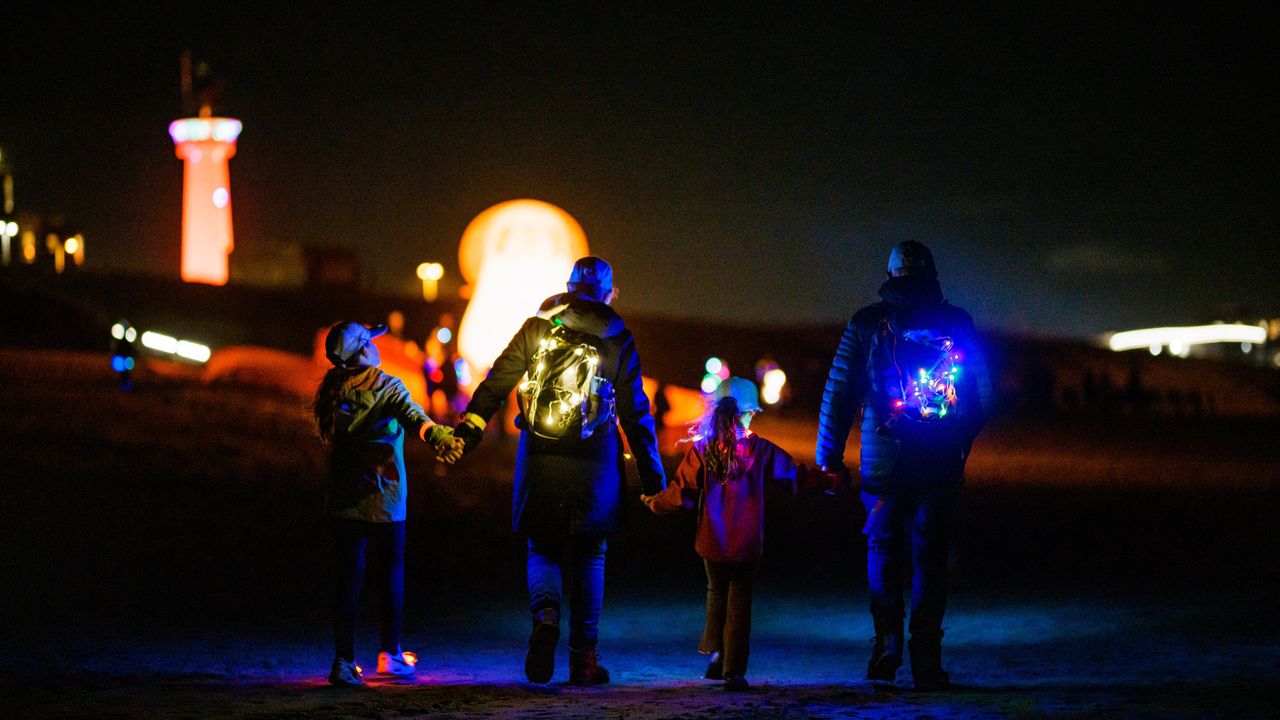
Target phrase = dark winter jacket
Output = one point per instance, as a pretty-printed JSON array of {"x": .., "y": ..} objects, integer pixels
[
  {"x": 910, "y": 303},
  {"x": 569, "y": 486}
]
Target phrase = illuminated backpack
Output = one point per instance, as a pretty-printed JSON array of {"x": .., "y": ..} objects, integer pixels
[
  {"x": 563, "y": 397},
  {"x": 915, "y": 377}
]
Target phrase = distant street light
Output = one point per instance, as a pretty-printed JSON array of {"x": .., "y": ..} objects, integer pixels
[
  {"x": 8, "y": 231},
  {"x": 430, "y": 274}
]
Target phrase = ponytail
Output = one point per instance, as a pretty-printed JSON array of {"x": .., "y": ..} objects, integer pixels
[
  {"x": 718, "y": 433},
  {"x": 325, "y": 405}
]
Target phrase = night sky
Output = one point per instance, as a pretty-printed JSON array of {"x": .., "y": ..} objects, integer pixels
[{"x": 1073, "y": 173}]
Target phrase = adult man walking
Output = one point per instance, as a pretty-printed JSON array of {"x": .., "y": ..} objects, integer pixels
[
  {"x": 579, "y": 376},
  {"x": 911, "y": 367}
]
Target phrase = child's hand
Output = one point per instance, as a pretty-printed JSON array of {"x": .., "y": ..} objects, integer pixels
[
  {"x": 648, "y": 501},
  {"x": 838, "y": 479},
  {"x": 452, "y": 452},
  {"x": 441, "y": 438}
]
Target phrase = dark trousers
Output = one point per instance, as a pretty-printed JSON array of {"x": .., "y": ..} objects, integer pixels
[
  {"x": 351, "y": 538},
  {"x": 922, "y": 514},
  {"x": 579, "y": 560},
  {"x": 728, "y": 628}
]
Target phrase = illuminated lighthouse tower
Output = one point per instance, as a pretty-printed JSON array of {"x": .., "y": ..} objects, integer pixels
[{"x": 205, "y": 144}]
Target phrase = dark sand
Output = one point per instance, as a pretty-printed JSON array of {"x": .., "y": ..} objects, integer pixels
[{"x": 164, "y": 556}]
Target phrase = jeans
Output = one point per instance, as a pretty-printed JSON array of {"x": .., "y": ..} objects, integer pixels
[
  {"x": 350, "y": 540},
  {"x": 728, "y": 628},
  {"x": 579, "y": 560},
  {"x": 925, "y": 513}
]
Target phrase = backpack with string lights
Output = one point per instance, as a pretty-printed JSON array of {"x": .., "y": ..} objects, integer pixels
[
  {"x": 914, "y": 376},
  {"x": 562, "y": 398}
]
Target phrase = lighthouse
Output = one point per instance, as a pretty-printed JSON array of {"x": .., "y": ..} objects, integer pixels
[{"x": 205, "y": 144}]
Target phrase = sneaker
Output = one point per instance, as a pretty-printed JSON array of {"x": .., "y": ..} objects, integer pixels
[
  {"x": 736, "y": 683},
  {"x": 585, "y": 668},
  {"x": 401, "y": 663},
  {"x": 345, "y": 674},
  {"x": 540, "y": 661},
  {"x": 886, "y": 658},
  {"x": 715, "y": 667}
]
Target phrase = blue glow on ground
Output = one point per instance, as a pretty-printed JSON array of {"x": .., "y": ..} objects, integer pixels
[{"x": 1008, "y": 658}]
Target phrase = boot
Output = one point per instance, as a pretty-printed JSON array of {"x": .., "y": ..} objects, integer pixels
[
  {"x": 585, "y": 667},
  {"x": 886, "y": 650},
  {"x": 886, "y": 658},
  {"x": 540, "y": 662},
  {"x": 926, "y": 664}
]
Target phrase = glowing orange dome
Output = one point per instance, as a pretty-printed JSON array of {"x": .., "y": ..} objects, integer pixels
[{"x": 535, "y": 224}]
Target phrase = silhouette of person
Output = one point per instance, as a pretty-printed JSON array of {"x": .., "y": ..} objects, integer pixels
[{"x": 917, "y": 431}]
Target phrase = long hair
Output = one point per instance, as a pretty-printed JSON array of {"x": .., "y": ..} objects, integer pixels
[
  {"x": 717, "y": 433},
  {"x": 325, "y": 405}
]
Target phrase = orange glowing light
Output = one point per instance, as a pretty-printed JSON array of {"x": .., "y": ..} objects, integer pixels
[
  {"x": 515, "y": 254},
  {"x": 205, "y": 145}
]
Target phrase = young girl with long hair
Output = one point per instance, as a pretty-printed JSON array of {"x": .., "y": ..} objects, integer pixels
[
  {"x": 723, "y": 477},
  {"x": 362, "y": 413}
]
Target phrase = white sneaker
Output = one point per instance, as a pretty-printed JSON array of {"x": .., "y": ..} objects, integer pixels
[
  {"x": 345, "y": 673},
  {"x": 401, "y": 664}
]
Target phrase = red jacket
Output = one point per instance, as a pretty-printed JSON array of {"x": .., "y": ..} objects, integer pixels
[{"x": 730, "y": 514}]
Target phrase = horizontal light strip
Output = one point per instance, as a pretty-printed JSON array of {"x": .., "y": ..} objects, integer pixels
[
  {"x": 159, "y": 343},
  {"x": 173, "y": 346},
  {"x": 1185, "y": 336},
  {"x": 193, "y": 351}
]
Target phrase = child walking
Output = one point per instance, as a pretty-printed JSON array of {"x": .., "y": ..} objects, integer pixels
[
  {"x": 362, "y": 413},
  {"x": 723, "y": 476}
]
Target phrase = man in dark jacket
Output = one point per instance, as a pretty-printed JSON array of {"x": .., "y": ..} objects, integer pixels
[
  {"x": 569, "y": 493},
  {"x": 915, "y": 441}
]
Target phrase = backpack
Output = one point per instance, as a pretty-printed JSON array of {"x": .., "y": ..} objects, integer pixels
[
  {"x": 562, "y": 397},
  {"x": 915, "y": 377}
]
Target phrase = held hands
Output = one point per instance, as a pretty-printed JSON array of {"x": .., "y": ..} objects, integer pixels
[
  {"x": 834, "y": 480},
  {"x": 648, "y": 501},
  {"x": 441, "y": 438},
  {"x": 470, "y": 431}
]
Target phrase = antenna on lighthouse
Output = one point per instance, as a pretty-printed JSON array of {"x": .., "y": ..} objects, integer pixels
[{"x": 204, "y": 143}]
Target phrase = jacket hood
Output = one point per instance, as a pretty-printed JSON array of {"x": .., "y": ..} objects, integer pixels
[
  {"x": 578, "y": 313},
  {"x": 911, "y": 291}
]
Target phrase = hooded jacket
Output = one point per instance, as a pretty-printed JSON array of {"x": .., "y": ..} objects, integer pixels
[
  {"x": 730, "y": 512},
  {"x": 912, "y": 302},
  {"x": 367, "y": 479},
  {"x": 569, "y": 487}
]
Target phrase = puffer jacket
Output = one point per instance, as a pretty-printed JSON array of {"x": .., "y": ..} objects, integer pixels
[
  {"x": 570, "y": 487},
  {"x": 886, "y": 455}
]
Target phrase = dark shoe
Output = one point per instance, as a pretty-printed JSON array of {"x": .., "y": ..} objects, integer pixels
[
  {"x": 585, "y": 668},
  {"x": 886, "y": 658},
  {"x": 540, "y": 662},
  {"x": 926, "y": 665},
  {"x": 736, "y": 683},
  {"x": 715, "y": 667}
]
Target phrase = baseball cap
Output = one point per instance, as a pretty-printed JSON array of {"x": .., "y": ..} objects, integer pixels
[
  {"x": 591, "y": 271},
  {"x": 347, "y": 338},
  {"x": 911, "y": 258},
  {"x": 742, "y": 390}
]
